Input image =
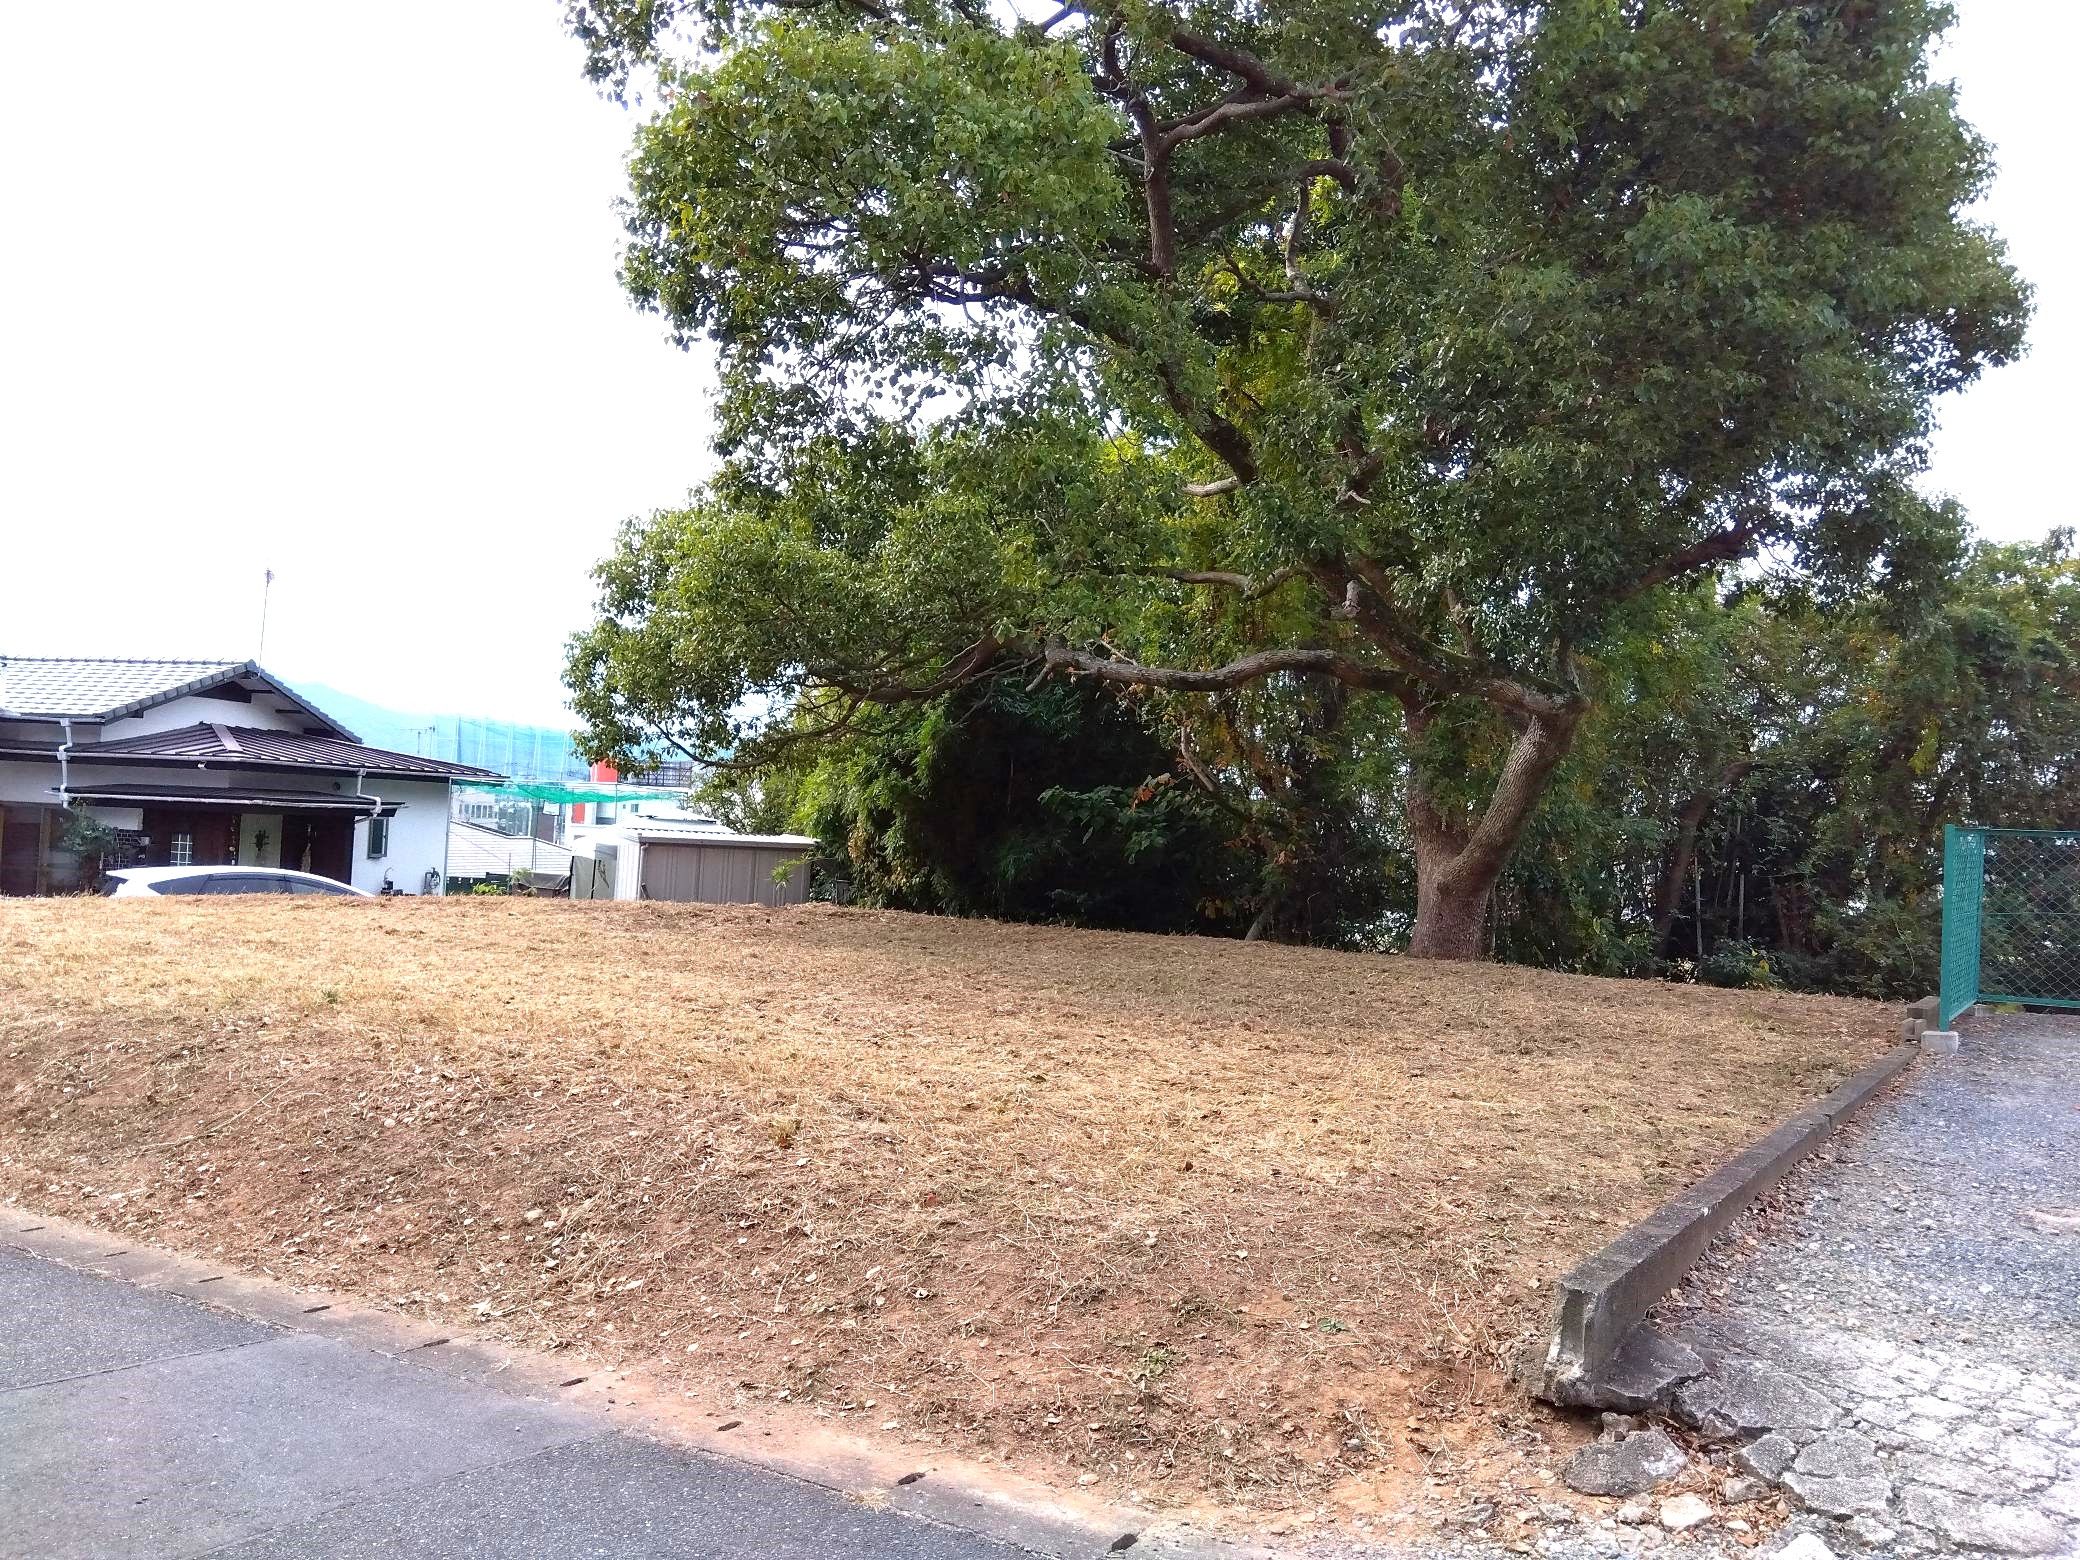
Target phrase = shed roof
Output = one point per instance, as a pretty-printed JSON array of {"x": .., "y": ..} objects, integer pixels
[{"x": 663, "y": 834}]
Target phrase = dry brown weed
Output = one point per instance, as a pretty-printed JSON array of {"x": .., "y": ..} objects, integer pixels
[{"x": 1201, "y": 1217}]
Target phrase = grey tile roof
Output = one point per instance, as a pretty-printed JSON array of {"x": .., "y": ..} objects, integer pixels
[
  {"x": 80, "y": 687},
  {"x": 104, "y": 688},
  {"x": 235, "y": 746}
]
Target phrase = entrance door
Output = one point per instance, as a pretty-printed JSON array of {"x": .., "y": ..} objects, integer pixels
[{"x": 319, "y": 842}]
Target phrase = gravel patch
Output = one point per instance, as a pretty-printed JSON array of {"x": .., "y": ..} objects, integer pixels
[
  {"x": 1892, "y": 1339},
  {"x": 1904, "y": 1320}
]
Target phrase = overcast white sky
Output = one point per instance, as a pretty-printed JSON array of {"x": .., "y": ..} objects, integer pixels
[{"x": 330, "y": 289}]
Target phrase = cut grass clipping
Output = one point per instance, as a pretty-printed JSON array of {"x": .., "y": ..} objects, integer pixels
[{"x": 1199, "y": 1218}]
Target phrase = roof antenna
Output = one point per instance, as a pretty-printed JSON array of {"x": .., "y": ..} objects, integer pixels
[{"x": 266, "y": 585}]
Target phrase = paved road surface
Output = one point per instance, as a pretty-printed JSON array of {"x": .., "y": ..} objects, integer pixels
[{"x": 135, "y": 1423}]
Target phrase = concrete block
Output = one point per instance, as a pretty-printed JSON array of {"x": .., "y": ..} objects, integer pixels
[
  {"x": 1605, "y": 1296},
  {"x": 1982, "y": 1010},
  {"x": 1940, "y": 1042},
  {"x": 1641, "y": 1377}
]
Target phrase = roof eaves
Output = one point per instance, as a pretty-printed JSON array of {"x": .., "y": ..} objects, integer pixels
[
  {"x": 228, "y": 671},
  {"x": 222, "y": 674}
]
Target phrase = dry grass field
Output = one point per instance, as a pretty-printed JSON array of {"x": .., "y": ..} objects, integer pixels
[{"x": 1207, "y": 1219}]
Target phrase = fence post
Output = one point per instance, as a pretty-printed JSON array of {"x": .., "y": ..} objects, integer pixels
[{"x": 1964, "y": 893}]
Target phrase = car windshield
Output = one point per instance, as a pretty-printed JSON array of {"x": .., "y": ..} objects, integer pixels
[{"x": 195, "y": 883}]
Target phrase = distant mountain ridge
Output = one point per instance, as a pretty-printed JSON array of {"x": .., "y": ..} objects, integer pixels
[{"x": 512, "y": 748}]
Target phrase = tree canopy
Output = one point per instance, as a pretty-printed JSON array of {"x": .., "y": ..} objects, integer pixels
[{"x": 1193, "y": 348}]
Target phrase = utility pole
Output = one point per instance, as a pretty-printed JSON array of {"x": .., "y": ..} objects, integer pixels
[{"x": 266, "y": 586}]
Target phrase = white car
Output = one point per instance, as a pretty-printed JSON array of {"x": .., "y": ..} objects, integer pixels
[{"x": 135, "y": 882}]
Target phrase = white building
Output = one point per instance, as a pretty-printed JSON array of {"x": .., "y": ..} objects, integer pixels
[
  {"x": 207, "y": 763},
  {"x": 478, "y": 854}
]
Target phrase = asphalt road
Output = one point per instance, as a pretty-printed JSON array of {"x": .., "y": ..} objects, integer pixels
[{"x": 137, "y": 1423}]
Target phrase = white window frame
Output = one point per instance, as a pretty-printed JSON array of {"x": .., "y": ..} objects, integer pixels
[
  {"x": 180, "y": 849},
  {"x": 378, "y": 839}
]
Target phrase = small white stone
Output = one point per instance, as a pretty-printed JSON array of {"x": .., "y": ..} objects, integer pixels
[
  {"x": 1680, "y": 1512},
  {"x": 1807, "y": 1546}
]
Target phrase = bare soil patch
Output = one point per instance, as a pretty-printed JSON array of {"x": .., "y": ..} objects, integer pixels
[{"x": 1203, "y": 1219}]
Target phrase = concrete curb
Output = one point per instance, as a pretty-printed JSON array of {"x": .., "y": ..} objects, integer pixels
[{"x": 1605, "y": 1296}]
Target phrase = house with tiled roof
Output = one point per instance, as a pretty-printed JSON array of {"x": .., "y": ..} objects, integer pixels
[{"x": 206, "y": 763}]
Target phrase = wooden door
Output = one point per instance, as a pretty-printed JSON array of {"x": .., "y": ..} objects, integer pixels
[
  {"x": 212, "y": 835},
  {"x": 319, "y": 842}
]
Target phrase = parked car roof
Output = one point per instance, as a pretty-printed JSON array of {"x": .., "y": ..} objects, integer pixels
[{"x": 147, "y": 876}]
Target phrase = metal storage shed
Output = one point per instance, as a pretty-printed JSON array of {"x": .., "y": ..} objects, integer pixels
[{"x": 700, "y": 862}]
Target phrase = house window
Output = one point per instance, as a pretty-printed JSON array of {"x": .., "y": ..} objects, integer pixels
[
  {"x": 378, "y": 838},
  {"x": 181, "y": 851}
]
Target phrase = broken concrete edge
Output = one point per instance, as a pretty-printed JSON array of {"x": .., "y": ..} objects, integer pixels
[
  {"x": 1605, "y": 1296},
  {"x": 1920, "y": 1017},
  {"x": 992, "y": 1502}
]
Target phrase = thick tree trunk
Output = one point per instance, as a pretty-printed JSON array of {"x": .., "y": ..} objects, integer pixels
[
  {"x": 1451, "y": 908},
  {"x": 1460, "y": 860}
]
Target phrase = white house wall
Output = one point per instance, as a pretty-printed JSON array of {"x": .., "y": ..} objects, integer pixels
[
  {"x": 28, "y": 785},
  {"x": 418, "y": 837},
  {"x": 266, "y": 713}
]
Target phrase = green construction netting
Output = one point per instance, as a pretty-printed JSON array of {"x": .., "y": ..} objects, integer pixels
[{"x": 571, "y": 791}]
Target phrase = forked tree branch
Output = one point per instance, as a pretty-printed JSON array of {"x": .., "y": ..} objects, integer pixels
[
  {"x": 1055, "y": 654},
  {"x": 1249, "y": 587},
  {"x": 1736, "y": 541}
]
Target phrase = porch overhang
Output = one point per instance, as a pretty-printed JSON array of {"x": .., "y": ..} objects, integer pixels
[{"x": 243, "y": 800}]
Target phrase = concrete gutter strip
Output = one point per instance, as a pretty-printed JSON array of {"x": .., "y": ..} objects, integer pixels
[{"x": 1608, "y": 1294}]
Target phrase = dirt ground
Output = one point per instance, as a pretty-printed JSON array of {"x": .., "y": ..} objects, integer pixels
[{"x": 1210, "y": 1222}]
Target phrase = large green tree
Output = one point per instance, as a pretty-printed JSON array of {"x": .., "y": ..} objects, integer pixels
[
  {"x": 1764, "y": 789},
  {"x": 1199, "y": 346}
]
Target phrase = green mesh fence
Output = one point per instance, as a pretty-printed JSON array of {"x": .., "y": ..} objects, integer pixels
[
  {"x": 2011, "y": 918},
  {"x": 1964, "y": 856}
]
